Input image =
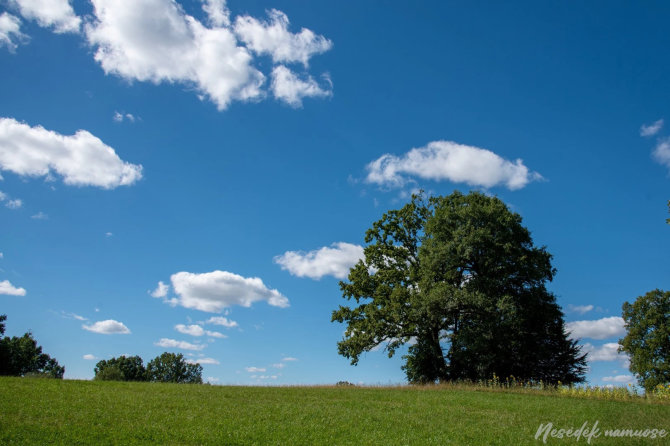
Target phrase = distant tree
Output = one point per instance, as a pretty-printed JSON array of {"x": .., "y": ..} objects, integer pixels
[
  {"x": 22, "y": 356},
  {"x": 647, "y": 340},
  {"x": 121, "y": 369},
  {"x": 459, "y": 279},
  {"x": 173, "y": 368}
]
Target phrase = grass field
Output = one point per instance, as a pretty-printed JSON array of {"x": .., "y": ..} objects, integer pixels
[{"x": 42, "y": 411}]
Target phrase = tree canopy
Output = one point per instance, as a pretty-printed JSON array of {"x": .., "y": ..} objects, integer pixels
[
  {"x": 121, "y": 369},
  {"x": 21, "y": 356},
  {"x": 173, "y": 368},
  {"x": 459, "y": 279},
  {"x": 647, "y": 340}
]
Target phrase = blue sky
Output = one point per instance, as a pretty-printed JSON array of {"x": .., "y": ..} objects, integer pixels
[{"x": 227, "y": 159}]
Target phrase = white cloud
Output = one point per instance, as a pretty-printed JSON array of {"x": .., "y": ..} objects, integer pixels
[
  {"x": 279, "y": 365},
  {"x": 662, "y": 152},
  {"x": 335, "y": 261},
  {"x": 108, "y": 234},
  {"x": 254, "y": 369},
  {"x": 3, "y": 196},
  {"x": 14, "y": 204},
  {"x": 211, "y": 379},
  {"x": 605, "y": 352},
  {"x": 1, "y": 255},
  {"x": 56, "y": 13},
  {"x": 10, "y": 32},
  {"x": 81, "y": 159},
  {"x": 263, "y": 377},
  {"x": 156, "y": 41},
  {"x": 109, "y": 326},
  {"x": 581, "y": 309},
  {"x": 288, "y": 87},
  {"x": 120, "y": 117},
  {"x": 202, "y": 361},
  {"x": 273, "y": 38},
  {"x": 217, "y": 12},
  {"x": 89, "y": 357},
  {"x": 67, "y": 315},
  {"x": 215, "y": 334},
  {"x": 171, "y": 343},
  {"x": 161, "y": 290},
  {"x": 620, "y": 379},
  {"x": 193, "y": 330},
  {"x": 288, "y": 358},
  {"x": 651, "y": 129},
  {"x": 10, "y": 290},
  {"x": 40, "y": 216},
  {"x": 446, "y": 160},
  {"x": 604, "y": 328},
  {"x": 214, "y": 291},
  {"x": 218, "y": 320}
]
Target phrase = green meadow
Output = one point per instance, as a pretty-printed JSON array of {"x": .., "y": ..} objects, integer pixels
[{"x": 48, "y": 411}]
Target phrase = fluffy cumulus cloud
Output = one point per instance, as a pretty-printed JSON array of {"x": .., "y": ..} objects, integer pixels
[
  {"x": 10, "y": 32},
  {"x": 651, "y": 129},
  {"x": 161, "y": 290},
  {"x": 661, "y": 152},
  {"x": 89, "y": 357},
  {"x": 197, "y": 330},
  {"x": 273, "y": 38},
  {"x": 81, "y": 159},
  {"x": 193, "y": 330},
  {"x": 290, "y": 88},
  {"x": 217, "y": 290},
  {"x": 224, "y": 322},
  {"x": 156, "y": 41},
  {"x": 109, "y": 326},
  {"x": 334, "y": 260},
  {"x": 10, "y": 290},
  {"x": 446, "y": 160},
  {"x": 182, "y": 345},
  {"x": 604, "y": 328},
  {"x": 217, "y": 12},
  {"x": 605, "y": 352},
  {"x": 50, "y": 13}
]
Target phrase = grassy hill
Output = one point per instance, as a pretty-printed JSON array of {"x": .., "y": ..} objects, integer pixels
[{"x": 41, "y": 411}]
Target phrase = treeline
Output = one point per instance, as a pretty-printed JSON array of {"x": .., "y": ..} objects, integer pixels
[
  {"x": 167, "y": 368},
  {"x": 21, "y": 356}
]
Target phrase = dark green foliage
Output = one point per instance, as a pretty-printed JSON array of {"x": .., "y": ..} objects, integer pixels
[
  {"x": 458, "y": 276},
  {"x": 647, "y": 340},
  {"x": 121, "y": 369},
  {"x": 22, "y": 356},
  {"x": 172, "y": 368}
]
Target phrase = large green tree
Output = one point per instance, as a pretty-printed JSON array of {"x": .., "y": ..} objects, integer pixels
[
  {"x": 21, "y": 356},
  {"x": 647, "y": 340},
  {"x": 173, "y": 368},
  {"x": 459, "y": 279},
  {"x": 123, "y": 368}
]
